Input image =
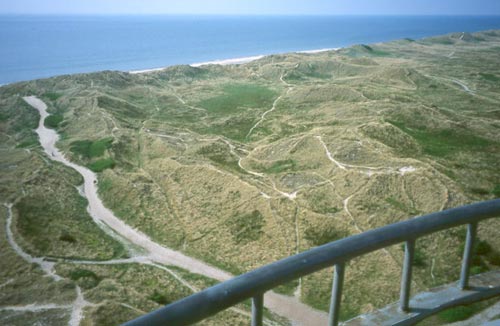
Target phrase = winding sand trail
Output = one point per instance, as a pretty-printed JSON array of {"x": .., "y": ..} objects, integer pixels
[
  {"x": 297, "y": 312},
  {"x": 77, "y": 307}
]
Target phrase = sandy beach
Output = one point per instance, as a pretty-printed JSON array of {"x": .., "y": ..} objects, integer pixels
[{"x": 234, "y": 61}]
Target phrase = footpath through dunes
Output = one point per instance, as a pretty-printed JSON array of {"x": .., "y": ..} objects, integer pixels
[{"x": 288, "y": 307}]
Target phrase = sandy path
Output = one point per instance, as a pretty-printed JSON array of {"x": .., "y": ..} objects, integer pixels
[
  {"x": 289, "y": 307},
  {"x": 263, "y": 116}
]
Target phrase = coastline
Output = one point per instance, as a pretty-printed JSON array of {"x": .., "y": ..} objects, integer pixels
[
  {"x": 222, "y": 62},
  {"x": 233, "y": 61}
]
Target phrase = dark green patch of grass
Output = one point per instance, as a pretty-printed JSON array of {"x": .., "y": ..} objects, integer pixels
[
  {"x": 496, "y": 191},
  {"x": 320, "y": 235},
  {"x": 53, "y": 225},
  {"x": 53, "y": 121},
  {"x": 282, "y": 166},
  {"x": 101, "y": 165},
  {"x": 52, "y": 96},
  {"x": 246, "y": 227},
  {"x": 480, "y": 191},
  {"x": 79, "y": 273},
  {"x": 493, "y": 258},
  {"x": 89, "y": 149},
  {"x": 442, "y": 143},
  {"x": 122, "y": 109},
  {"x": 490, "y": 77},
  {"x": 419, "y": 257},
  {"x": 239, "y": 96},
  {"x": 400, "y": 206},
  {"x": 319, "y": 298},
  {"x": 66, "y": 237},
  {"x": 458, "y": 313},
  {"x": 28, "y": 143},
  {"x": 221, "y": 155},
  {"x": 235, "y": 128},
  {"x": 159, "y": 298}
]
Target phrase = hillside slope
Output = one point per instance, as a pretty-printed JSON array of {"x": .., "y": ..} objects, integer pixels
[{"x": 242, "y": 165}]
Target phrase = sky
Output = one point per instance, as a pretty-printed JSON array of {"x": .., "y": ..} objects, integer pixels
[{"x": 253, "y": 7}]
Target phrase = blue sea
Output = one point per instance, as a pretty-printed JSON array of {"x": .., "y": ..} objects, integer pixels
[{"x": 34, "y": 47}]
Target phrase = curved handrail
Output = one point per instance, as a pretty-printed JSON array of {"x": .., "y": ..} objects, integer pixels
[{"x": 254, "y": 283}]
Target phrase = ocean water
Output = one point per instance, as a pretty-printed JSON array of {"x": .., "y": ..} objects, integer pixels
[{"x": 42, "y": 46}]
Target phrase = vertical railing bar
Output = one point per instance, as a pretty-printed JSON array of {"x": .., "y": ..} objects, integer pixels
[
  {"x": 404, "y": 297},
  {"x": 468, "y": 252},
  {"x": 338, "y": 283},
  {"x": 257, "y": 309}
]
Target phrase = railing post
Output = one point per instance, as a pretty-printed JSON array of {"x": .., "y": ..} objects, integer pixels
[
  {"x": 257, "y": 309},
  {"x": 468, "y": 252},
  {"x": 404, "y": 297},
  {"x": 338, "y": 283}
]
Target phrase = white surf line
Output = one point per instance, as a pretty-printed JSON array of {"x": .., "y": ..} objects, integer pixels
[
  {"x": 225, "y": 62},
  {"x": 318, "y": 50},
  {"x": 46, "y": 266},
  {"x": 298, "y": 312}
]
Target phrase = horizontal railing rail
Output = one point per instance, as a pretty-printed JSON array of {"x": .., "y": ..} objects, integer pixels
[{"x": 255, "y": 283}]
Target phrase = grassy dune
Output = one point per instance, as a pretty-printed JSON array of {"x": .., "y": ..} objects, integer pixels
[{"x": 341, "y": 142}]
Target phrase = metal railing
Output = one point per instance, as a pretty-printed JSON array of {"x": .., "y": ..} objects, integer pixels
[{"x": 254, "y": 284}]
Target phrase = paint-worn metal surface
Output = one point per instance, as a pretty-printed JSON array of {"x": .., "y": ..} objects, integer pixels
[
  {"x": 425, "y": 304},
  {"x": 226, "y": 294}
]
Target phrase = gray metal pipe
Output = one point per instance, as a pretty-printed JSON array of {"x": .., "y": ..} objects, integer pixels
[
  {"x": 208, "y": 302},
  {"x": 404, "y": 298}
]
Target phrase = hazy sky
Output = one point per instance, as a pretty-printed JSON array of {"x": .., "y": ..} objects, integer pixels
[{"x": 284, "y": 7}]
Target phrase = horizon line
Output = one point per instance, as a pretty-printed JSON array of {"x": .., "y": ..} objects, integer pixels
[{"x": 254, "y": 14}]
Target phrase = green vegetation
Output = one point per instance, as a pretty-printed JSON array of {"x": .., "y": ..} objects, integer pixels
[
  {"x": 442, "y": 143},
  {"x": 221, "y": 155},
  {"x": 101, "y": 165},
  {"x": 53, "y": 121},
  {"x": 52, "y": 96},
  {"x": 496, "y": 191},
  {"x": 287, "y": 288},
  {"x": 459, "y": 313},
  {"x": 159, "y": 298},
  {"x": 282, "y": 166},
  {"x": 490, "y": 77},
  {"x": 400, "y": 206},
  {"x": 419, "y": 257},
  {"x": 90, "y": 149},
  {"x": 320, "y": 235},
  {"x": 246, "y": 227},
  {"x": 360, "y": 138},
  {"x": 236, "y": 97}
]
